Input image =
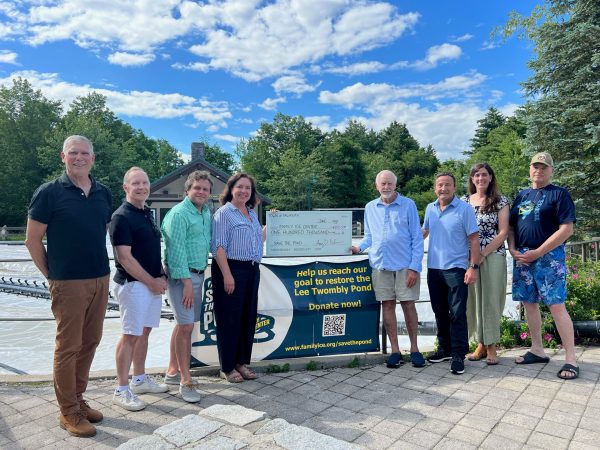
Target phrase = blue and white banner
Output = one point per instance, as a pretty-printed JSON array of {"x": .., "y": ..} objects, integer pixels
[{"x": 312, "y": 309}]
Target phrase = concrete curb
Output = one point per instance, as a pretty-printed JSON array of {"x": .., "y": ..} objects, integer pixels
[{"x": 295, "y": 364}]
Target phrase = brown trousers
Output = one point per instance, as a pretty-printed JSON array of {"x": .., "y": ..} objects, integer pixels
[{"x": 79, "y": 307}]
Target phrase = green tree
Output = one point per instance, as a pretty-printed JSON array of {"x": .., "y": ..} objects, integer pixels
[
  {"x": 26, "y": 118},
  {"x": 368, "y": 140},
  {"x": 117, "y": 145},
  {"x": 396, "y": 140},
  {"x": 261, "y": 153},
  {"x": 504, "y": 152},
  {"x": 563, "y": 114},
  {"x": 342, "y": 159},
  {"x": 219, "y": 158},
  {"x": 460, "y": 169},
  {"x": 492, "y": 120},
  {"x": 299, "y": 183}
]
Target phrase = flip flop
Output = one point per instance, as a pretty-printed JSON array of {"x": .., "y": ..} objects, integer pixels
[
  {"x": 394, "y": 361},
  {"x": 417, "y": 359},
  {"x": 532, "y": 358},
  {"x": 568, "y": 368}
]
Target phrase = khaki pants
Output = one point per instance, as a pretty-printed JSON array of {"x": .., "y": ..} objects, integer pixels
[{"x": 79, "y": 307}]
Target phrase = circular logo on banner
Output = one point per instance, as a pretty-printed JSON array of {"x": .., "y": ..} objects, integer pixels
[
  {"x": 274, "y": 318},
  {"x": 275, "y": 314}
]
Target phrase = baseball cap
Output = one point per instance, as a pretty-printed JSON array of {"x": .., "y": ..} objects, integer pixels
[{"x": 543, "y": 158}]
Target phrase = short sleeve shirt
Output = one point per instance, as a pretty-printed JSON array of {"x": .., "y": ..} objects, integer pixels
[
  {"x": 76, "y": 231},
  {"x": 242, "y": 239},
  {"x": 488, "y": 223},
  {"x": 449, "y": 232},
  {"x": 134, "y": 227},
  {"x": 187, "y": 234},
  {"x": 536, "y": 214}
]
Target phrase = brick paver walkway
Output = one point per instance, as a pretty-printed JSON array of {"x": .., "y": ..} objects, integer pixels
[{"x": 504, "y": 406}]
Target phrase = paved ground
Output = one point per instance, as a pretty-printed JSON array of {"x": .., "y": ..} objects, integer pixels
[{"x": 504, "y": 406}]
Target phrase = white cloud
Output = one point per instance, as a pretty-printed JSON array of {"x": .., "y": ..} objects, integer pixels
[
  {"x": 130, "y": 59},
  {"x": 360, "y": 94},
  {"x": 251, "y": 39},
  {"x": 293, "y": 84},
  {"x": 321, "y": 122},
  {"x": 435, "y": 55},
  {"x": 270, "y": 104},
  {"x": 133, "y": 103},
  {"x": 360, "y": 68},
  {"x": 267, "y": 42},
  {"x": 197, "y": 66},
  {"x": 443, "y": 114},
  {"x": 489, "y": 45},
  {"x": 509, "y": 109},
  {"x": 463, "y": 38},
  {"x": 8, "y": 57},
  {"x": 227, "y": 138},
  {"x": 438, "y": 54}
]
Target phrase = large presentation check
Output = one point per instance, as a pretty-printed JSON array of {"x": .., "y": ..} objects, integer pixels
[{"x": 309, "y": 233}]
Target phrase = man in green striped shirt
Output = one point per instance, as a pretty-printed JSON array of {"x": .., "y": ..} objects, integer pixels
[{"x": 187, "y": 233}]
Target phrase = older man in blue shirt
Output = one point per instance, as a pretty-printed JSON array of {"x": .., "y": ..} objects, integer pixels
[
  {"x": 452, "y": 263},
  {"x": 393, "y": 235}
]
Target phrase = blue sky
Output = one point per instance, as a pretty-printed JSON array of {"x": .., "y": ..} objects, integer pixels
[{"x": 185, "y": 70}]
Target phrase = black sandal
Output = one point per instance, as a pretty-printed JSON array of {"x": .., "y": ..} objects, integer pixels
[{"x": 568, "y": 368}]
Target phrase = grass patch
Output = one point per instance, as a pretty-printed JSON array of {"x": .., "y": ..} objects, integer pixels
[
  {"x": 312, "y": 365},
  {"x": 355, "y": 363}
]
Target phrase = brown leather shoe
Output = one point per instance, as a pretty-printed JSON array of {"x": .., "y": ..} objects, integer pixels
[
  {"x": 77, "y": 425},
  {"x": 93, "y": 415}
]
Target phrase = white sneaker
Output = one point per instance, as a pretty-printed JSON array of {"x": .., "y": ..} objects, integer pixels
[
  {"x": 189, "y": 393},
  {"x": 148, "y": 386},
  {"x": 128, "y": 400}
]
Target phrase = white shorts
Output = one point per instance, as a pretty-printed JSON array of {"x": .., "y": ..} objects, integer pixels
[
  {"x": 391, "y": 285},
  {"x": 139, "y": 307}
]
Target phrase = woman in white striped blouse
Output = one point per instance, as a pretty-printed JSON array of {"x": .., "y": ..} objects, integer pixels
[{"x": 237, "y": 245}]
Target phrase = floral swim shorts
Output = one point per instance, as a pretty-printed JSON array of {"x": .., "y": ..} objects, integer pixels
[{"x": 543, "y": 280}]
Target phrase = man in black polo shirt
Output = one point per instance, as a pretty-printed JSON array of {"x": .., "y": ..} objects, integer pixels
[
  {"x": 140, "y": 285},
  {"x": 73, "y": 212}
]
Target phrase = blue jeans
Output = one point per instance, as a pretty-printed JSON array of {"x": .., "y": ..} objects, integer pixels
[{"x": 448, "y": 293}]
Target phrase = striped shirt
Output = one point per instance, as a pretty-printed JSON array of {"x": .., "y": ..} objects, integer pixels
[
  {"x": 241, "y": 238},
  {"x": 186, "y": 232}
]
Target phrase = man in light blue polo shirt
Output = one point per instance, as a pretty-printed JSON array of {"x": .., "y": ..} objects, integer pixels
[
  {"x": 393, "y": 235},
  {"x": 452, "y": 263}
]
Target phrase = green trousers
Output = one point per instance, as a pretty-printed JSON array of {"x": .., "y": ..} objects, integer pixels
[{"x": 486, "y": 300}]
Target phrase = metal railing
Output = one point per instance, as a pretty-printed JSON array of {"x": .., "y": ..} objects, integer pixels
[{"x": 586, "y": 250}]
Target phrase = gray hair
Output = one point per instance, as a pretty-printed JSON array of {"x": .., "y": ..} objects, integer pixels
[
  {"x": 77, "y": 138},
  {"x": 387, "y": 172},
  {"x": 133, "y": 169}
]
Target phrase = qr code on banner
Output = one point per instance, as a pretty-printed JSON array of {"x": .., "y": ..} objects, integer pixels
[{"x": 334, "y": 325}]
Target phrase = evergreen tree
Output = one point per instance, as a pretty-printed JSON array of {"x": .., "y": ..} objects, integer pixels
[
  {"x": 563, "y": 115},
  {"x": 492, "y": 120}
]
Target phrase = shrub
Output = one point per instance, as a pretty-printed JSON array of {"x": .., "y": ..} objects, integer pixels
[
  {"x": 583, "y": 289},
  {"x": 583, "y": 303}
]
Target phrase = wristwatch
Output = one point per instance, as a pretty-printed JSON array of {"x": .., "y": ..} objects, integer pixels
[{"x": 473, "y": 266}]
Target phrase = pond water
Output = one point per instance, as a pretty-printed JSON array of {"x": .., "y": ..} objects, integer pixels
[{"x": 28, "y": 346}]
